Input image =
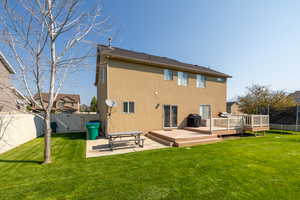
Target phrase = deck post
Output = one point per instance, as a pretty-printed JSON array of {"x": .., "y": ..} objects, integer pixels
[
  {"x": 297, "y": 118},
  {"x": 243, "y": 121},
  {"x": 211, "y": 120},
  {"x": 261, "y": 122},
  {"x": 211, "y": 125},
  {"x": 228, "y": 123},
  {"x": 251, "y": 121}
]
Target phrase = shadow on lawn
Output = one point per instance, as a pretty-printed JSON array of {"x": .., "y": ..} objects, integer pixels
[
  {"x": 20, "y": 161},
  {"x": 281, "y": 132},
  {"x": 70, "y": 136}
]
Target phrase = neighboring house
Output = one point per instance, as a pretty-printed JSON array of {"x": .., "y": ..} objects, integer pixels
[
  {"x": 296, "y": 96},
  {"x": 66, "y": 103},
  {"x": 8, "y": 98},
  {"x": 233, "y": 108},
  {"x": 154, "y": 92}
]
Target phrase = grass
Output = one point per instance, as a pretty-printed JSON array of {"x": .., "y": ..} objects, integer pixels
[
  {"x": 282, "y": 132},
  {"x": 247, "y": 168}
]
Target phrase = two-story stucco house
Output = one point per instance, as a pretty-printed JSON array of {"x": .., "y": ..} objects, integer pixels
[
  {"x": 7, "y": 97},
  {"x": 154, "y": 92},
  {"x": 66, "y": 103}
]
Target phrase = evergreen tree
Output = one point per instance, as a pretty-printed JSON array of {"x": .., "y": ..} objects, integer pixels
[{"x": 94, "y": 104}]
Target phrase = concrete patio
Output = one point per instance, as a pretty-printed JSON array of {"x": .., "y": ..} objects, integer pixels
[{"x": 99, "y": 147}]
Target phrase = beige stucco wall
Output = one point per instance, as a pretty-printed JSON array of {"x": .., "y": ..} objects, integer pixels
[{"x": 145, "y": 85}]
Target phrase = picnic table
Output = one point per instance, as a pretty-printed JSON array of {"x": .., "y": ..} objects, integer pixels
[{"x": 117, "y": 138}]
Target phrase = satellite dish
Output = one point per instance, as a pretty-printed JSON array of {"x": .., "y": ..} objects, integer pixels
[{"x": 110, "y": 103}]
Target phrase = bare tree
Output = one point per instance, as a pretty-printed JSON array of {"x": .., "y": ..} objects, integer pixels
[
  {"x": 48, "y": 39},
  {"x": 259, "y": 96}
]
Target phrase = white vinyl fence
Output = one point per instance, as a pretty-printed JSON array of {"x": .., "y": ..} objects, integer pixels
[
  {"x": 16, "y": 129},
  {"x": 72, "y": 122},
  {"x": 286, "y": 127}
]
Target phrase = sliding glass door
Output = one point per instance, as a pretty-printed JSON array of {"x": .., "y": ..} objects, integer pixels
[{"x": 170, "y": 116}]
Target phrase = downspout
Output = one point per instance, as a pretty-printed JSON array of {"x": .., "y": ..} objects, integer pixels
[{"x": 107, "y": 93}]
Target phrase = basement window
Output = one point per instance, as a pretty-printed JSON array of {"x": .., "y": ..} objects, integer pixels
[{"x": 128, "y": 107}]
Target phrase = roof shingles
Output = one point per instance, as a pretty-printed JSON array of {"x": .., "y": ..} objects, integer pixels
[
  {"x": 119, "y": 53},
  {"x": 75, "y": 97}
]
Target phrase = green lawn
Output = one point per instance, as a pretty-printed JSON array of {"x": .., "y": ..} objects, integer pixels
[{"x": 248, "y": 168}]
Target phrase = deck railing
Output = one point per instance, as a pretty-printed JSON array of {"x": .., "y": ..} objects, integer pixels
[
  {"x": 239, "y": 122},
  {"x": 256, "y": 120}
]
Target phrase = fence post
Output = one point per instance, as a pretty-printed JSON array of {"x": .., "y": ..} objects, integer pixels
[{"x": 261, "y": 123}]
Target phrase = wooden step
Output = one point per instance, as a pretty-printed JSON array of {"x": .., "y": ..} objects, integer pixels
[
  {"x": 200, "y": 137},
  {"x": 196, "y": 142},
  {"x": 197, "y": 136},
  {"x": 159, "y": 139},
  {"x": 197, "y": 130},
  {"x": 164, "y": 137}
]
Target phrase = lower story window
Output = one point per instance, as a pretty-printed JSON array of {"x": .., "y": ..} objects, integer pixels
[
  {"x": 128, "y": 107},
  {"x": 205, "y": 111}
]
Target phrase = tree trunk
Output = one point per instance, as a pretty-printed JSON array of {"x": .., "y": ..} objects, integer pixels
[{"x": 47, "y": 139}]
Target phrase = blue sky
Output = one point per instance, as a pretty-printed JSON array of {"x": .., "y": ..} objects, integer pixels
[{"x": 255, "y": 41}]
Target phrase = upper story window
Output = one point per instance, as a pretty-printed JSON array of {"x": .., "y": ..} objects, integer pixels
[
  {"x": 221, "y": 79},
  {"x": 182, "y": 78},
  {"x": 200, "y": 81},
  {"x": 168, "y": 74},
  {"x": 128, "y": 107},
  {"x": 60, "y": 104}
]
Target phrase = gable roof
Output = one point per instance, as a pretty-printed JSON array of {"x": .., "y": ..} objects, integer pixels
[
  {"x": 133, "y": 56},
  {"x": 45, "y": 96},
  {"x": 6, "y": 64}
]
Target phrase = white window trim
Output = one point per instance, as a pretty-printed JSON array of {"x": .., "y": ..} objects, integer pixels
[
  {"x": 128, "y": 112},
  {"x": 219, "y": 79},
  {"x": 204, "y": 81},
  {"x": 170, "y": 115},
  {"x": 181, "y": 75},
  {"x": 166, "y": 74}
]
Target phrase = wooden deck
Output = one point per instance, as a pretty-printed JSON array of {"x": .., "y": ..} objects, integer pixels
[
  {"x": 190, "y": 136},
  {"x": 257, "y": 128},
  {"x": 223, "y": 131},
  {"x": 181, "y": 137},
  {"x": 219, "y": 131}
]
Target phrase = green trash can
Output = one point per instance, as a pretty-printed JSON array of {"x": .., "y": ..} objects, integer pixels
[{"x": 93, "y": 129}]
